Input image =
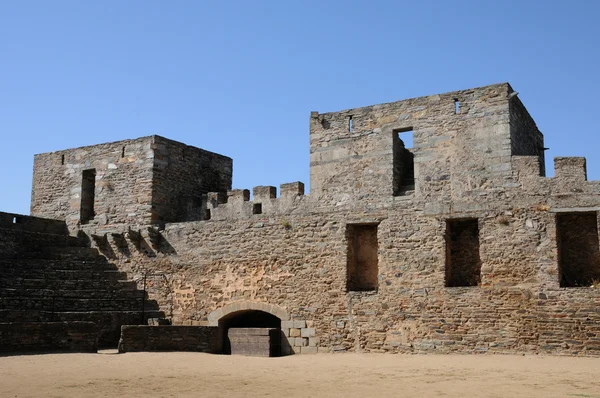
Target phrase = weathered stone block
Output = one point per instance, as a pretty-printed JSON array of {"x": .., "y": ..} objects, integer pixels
[
  {"x": 299, "y": 324},
  {"x": 287, "y": 324},
  {"x": 300, "y": 342},
  {"x": 307, "y": 332}
]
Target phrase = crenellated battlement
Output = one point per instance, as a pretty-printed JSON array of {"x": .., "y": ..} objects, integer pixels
[
  {"x": 569, "y": 188},
  {"x": 572, "y": 169},
  {"x": 237, "y": 204}
]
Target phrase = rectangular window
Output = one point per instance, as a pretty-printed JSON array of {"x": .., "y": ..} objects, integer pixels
[
  {"x": 88, "y": 188},
  {"x": 578, "y": 252},
  {"x": 404, "y": 164},
  {"x": 463, "y": 264},
  {"x": 362, "y": 258}
]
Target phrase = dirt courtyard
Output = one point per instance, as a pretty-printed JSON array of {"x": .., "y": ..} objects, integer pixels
[{"x": 345, "y": 375}]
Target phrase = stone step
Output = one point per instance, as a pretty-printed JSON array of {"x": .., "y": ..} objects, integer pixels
[
  {"x": 61, "y": 304},
  {"x": 48, "y": 336},
  {"x": 61, "y": 253},
  {"x": 67, "y": 284},
  {"x": 69, "y": 293},
  {"x": 45, "y": 264},
  {"x": 108, "y": 323},
  {"x": 64, "y": 274},
  {"x": 99, "y": 317},
  {"x": 41, "y": 239}
]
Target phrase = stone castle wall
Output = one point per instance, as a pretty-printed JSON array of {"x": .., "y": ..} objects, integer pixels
[
  {"x": 182, "y": 174},
  {"x": 123, "y": 191},
  {"x": 455, "y": 153},
  {"x": 150, "y": 180},
  {"x": 478, "y": 169}
]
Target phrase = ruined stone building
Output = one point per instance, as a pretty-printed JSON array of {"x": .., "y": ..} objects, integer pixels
[{"x": 456, "y": 243}]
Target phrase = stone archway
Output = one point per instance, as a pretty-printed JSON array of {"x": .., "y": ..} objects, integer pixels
[
  {"x": 279, "y": 312},
  {"x": 247, "y": 326}
]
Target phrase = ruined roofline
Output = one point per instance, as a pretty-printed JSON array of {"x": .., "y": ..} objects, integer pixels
[
  {"x": 153, "y": 137},
  {"x": 422, "y": 97}
]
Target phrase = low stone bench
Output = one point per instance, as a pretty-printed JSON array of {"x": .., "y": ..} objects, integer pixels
[{"x": 168, "y": 338}]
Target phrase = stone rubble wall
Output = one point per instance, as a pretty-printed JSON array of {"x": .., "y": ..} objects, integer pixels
[
  {"x": 526, "y": 138},
  {"x": 123, "y": 191},
  {"x": 149, "y": 180},
  {"x": 456, "y": 155},
  {"x": 291, "y": 253},
  {"x": 300, "y": 265},
  {"x": 182, "y": 175}
]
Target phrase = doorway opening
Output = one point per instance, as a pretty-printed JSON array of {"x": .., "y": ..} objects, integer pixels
[{"x": 250, "y": 332}]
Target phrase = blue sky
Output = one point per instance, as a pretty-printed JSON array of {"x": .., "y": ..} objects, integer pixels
[{"x": 240, "y": 78}]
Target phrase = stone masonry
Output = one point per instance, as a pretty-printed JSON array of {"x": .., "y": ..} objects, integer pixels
[
  {"x": 150, "y": 180},
  {"x": 456, "y": 244}
]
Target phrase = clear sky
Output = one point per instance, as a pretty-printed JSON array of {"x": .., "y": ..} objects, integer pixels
[{"x": 241, "y": 77}]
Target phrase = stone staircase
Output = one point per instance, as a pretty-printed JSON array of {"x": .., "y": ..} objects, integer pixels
[{"x": 57, "y": 278}]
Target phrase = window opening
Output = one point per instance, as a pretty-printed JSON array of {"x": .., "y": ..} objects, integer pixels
[
  {"x": 403, "y": 162},
  {"x": 463, "y": 263},
  {"x": 578, "y": 252},
  {"x": 88, "y": 187},
  {"x": 350, "y": 123},
  {"x": 257, "y": 208},
  {"x": 362, "y": 257},
  {"x": 123, "y": 152},
  {"x": 456, "y": 106},
  {"x": 62, "y": 160}
]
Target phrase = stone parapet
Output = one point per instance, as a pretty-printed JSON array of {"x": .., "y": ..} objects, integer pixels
[{"x": 169, "y": 338}]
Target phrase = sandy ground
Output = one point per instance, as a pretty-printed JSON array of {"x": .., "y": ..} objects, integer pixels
[{"x": 347, "y": 375}]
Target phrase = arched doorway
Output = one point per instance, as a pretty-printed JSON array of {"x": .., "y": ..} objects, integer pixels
[
  {"x": 253, "y": 332},
  {"x": 246, "y": 313}
]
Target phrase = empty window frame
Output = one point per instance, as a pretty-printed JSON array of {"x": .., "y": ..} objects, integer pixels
[
  {"x": 257, "y": 208},
  {"x": 403, "y": 162},
  {"x": 88, "y": 188},
  {"x": 463, "y": 263},
  {"x": 362, "y": 268},
  {"x": 578, "y": 251}
]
